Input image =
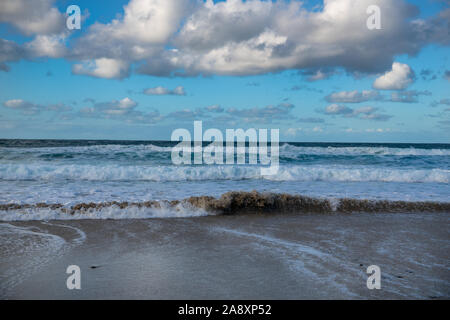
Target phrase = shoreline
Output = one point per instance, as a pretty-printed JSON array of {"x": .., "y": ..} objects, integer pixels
[
  {"x": 229, "y": 203},
  {"x": 287, "y": 256}
]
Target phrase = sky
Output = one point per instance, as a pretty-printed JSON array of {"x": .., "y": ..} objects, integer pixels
[{"x": 140, "y": 69}]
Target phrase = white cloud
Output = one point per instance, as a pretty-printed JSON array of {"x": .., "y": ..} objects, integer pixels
[
  {"x": 187, "y": 114},
  {"x": 117, "y": 107},
  {"x": 145, "y": 22},
  {"x": 213, "y": 25},
  {"x": 214, "y": 108},
  {"x": 378, "y": 130},
  {"x": 353, "y": 96},
  {"x": 399, "y": 78},
  {"x": 288, "y": 36},
  {"x": 265, "y": 115},
  {"x": 126, "y": 103},
  {"x": 51, "y": 46},
  {"x": 29, "y": 108},
  {"x": 238, "y": 37},
  {"x": 32, "y": 16},
  {"x": 317, "y": 129},
  {"x": 292, "y": 132},
  {"x": 311, "y": 120},
  {"x": 319, "y": 75},
  {"x": 120, "y": 110},
  {"x": 366, "y": 113},
  {"x": 103, "y": 68},
  {"x": 335, "y": 109},
  {"x": 10, "y": 51},
  {"x": 234, "y": 37},
  {"x": 408, "y": 96},
  {"x": 17, "y": 104},
  {"x": 160, "y": 91}
]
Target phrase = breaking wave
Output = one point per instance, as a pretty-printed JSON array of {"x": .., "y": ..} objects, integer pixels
[
  {"x": 286, "y": 148},
  {"x": 224, "y": 172},
  {"x": 231, "y": 203}
]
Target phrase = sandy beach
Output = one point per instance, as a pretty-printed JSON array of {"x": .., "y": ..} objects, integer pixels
[{"x": 290, "y": 256}]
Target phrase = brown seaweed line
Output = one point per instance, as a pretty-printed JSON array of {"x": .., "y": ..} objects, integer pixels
[{"x": 237, "y": 202}]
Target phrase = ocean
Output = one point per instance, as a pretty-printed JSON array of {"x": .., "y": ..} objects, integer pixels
[
  {"x": 43, "y": 179},
  {"x": 308, "y": 232}
]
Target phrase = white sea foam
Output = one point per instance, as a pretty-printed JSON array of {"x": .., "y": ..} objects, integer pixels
[
  {"x": 285, "y": 148},
  {"x": 37, "y": 171},
  {"x": 107, "y": 148},
  {"x": 112, "y": 212},
  {"x": 289, "y": 148}
]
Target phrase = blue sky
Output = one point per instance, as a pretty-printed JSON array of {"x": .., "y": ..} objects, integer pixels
[{"x": 139, "y": 70}]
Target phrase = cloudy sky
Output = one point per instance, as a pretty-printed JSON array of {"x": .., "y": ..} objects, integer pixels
[{"x": 139, "y": 69}]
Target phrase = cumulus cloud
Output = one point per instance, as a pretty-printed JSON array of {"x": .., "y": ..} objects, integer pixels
[
  {"x": 408, "y": 96},
  {"x": 32, "y": 16},
  {"x": 265, "y": 114},
  {"x": 305, "y": 88},
  {"x": 161, "y": 91},
  {"x": 366, "y": 113},
  {"x": 187, "y": 114},
  {"x": 353, "y": 96},
  {"x": 215, "y": 108},
  {"x": 217, "y": 113},
  {"x": 328, "y": 37},
  {"x": 399, "y": 78},
  {"x": 316, "y": 75},
  {"x": 378, "y": 130},
  {"x": 317, "y": 129},
  {"x": 311, "y": 120},
  {"x": 142, "y": 33},
  {"x": 292, "y": 132},
  {"x": 103, "y": 68},
  {"x": 143, "y": 22},
  {"x": 22, "y": 105},
  {"x": 29, "y": 108},
  {"x": 115, "y": 107},
  {"x": 206, "y": 112},
  {"x": 122, "y": 110},
  {"x": 335, "y": 109},
  {"x": 52, "y": 46},
  {"x": 10, "y": 51},
  {"x": 234, "y": 37}
]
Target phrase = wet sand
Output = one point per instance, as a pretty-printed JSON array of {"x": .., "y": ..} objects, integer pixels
[{"x": 289, "y": 256}]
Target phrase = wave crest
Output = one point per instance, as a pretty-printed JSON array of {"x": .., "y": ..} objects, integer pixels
[
  {"x": 223, "y": 172},
  {"x": 230, "y": 203},
  {"x": 287, "y": 148}
]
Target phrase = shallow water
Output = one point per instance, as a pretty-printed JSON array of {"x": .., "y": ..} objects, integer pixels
[{"x": 305, "y": 256}]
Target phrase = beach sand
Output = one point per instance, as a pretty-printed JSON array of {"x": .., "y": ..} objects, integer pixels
[{"x": 289, "y": 256}]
